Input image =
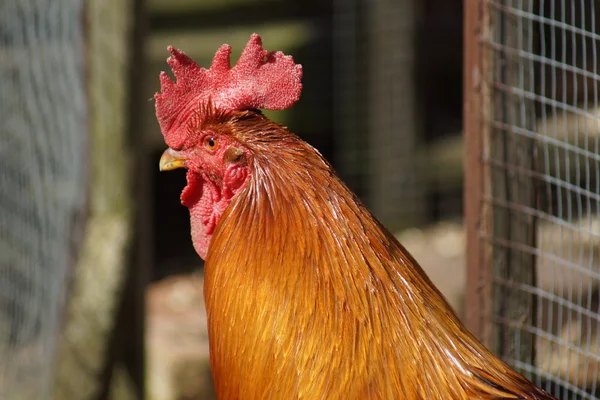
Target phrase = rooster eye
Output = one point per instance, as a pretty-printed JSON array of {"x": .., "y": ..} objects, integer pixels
[{"x": 212, "y": 143}]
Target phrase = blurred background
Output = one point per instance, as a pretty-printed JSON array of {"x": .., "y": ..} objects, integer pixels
[{"x": 100, "y": 287}]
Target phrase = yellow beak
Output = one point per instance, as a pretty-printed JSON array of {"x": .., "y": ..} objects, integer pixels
[{"x": 171, "y": 160}]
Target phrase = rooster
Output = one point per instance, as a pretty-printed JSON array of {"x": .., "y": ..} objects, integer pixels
[{"x": 308, "y": 295}]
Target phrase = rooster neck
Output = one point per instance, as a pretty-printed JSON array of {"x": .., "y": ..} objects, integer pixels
[
  {"x": 308, "y": 295},
  {"x": 296, "y": 218}
]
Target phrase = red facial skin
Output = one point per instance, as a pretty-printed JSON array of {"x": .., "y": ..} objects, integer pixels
[{"x": 217, "y": 170}]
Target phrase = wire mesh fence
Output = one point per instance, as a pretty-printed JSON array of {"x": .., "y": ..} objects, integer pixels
[
  {"x": 65, "y": 217},
  {"x": 532, "y": 128},
  {"x": 43, "y": 168}
]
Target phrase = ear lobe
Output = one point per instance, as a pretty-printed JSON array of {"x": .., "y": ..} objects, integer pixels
[{"x": 234, "y": 155}]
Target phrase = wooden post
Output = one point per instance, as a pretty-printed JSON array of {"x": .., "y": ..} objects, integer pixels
[
  {"x": 501, "y": 231},
  {"x": 134, "y": 306},
  {"x": 514, "y": 192},
  {"x": 128, "y": 345},
  {"x": 476, "y": 132}
]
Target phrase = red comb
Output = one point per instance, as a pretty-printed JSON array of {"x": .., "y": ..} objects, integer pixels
[{"x": 260, "y": 80}]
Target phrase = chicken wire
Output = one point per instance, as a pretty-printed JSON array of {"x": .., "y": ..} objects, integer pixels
[
  {"x": 65, "y": 218},
  {"x": 42, "y": 174},
  {"x": 375, "y": 92},
  {"x": 532, "y": 132}
]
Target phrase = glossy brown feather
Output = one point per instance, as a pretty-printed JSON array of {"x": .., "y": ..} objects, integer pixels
[{"x": 309, "y": 296}]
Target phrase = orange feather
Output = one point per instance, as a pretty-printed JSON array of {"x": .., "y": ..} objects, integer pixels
[{"x": 309, "y": 296}]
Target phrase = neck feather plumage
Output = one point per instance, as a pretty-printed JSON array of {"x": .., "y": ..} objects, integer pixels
[{"x": 308, "y": 295}]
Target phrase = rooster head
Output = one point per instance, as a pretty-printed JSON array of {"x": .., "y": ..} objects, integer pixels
[{"x": 198, "y": 113}]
